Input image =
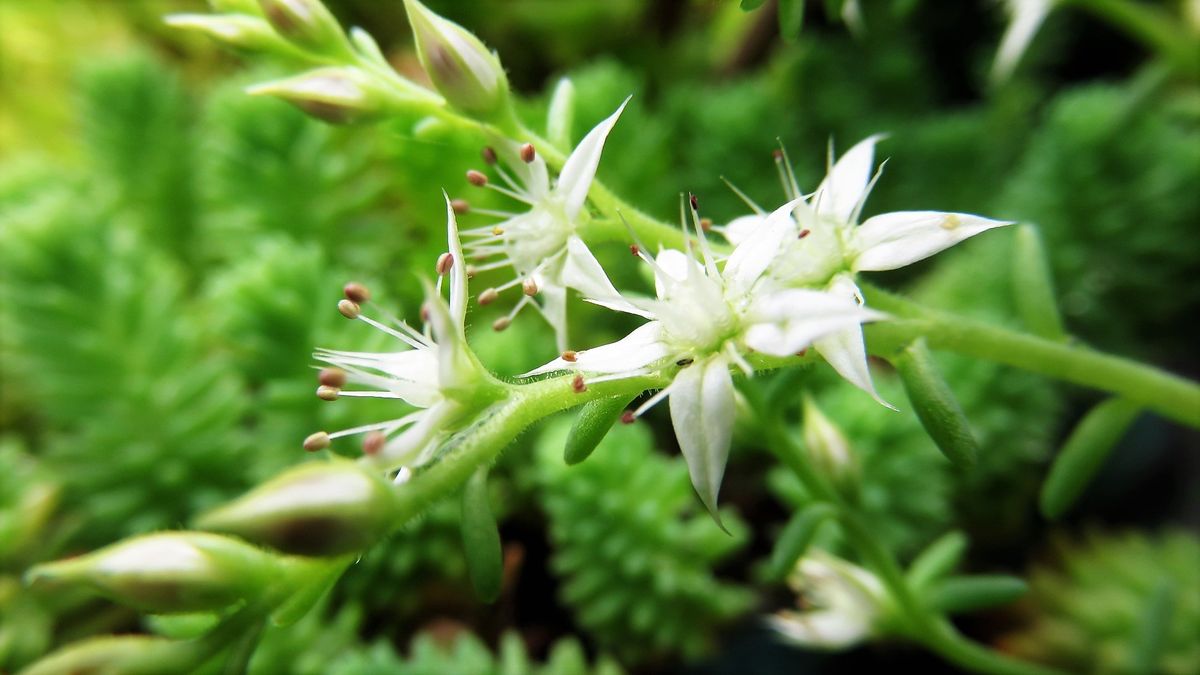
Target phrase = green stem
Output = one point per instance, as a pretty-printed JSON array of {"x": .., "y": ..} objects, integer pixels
[{"x": 1169, "y": 395}]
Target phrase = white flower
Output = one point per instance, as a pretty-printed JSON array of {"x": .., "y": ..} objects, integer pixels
[
  {"x": 1025, "y": 17},
  {"x": 702, "y": 322},
  {"x": 841, "y": 603},
  {"x": 541, "y": 244},
  {"x": 827, "y": 247},
  {"x": 436, "y": 372}
]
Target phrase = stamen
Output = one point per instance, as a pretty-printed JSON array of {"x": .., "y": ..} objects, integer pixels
[
  {"x": 635, "y": 250},
  {"x": 370, "y": 394},
  {"x": 950, "y": 221},
  {"x": 529, "y": 286},
  {"x": 445, "y": 263},
  {"x": 476, "y": 178},
  {"x": 500, "y": 324},
  {"x": 402, "y": 476},
  {"x": 460, "y": 206},
  {"x": 736, "y": 357},
  {"x": 356, "y": 292},
  {"x": 373, "y": 443},
  {"x": 652, "y": 401},
  {"x": 628, "y": 417},
  {"x": 492, "y": 266},
  {"x": 706, "y": 224},
  {"x": 803, "y": 233},
  {"x": 577, "y": 385},
  {"x": 496, "y": 214},
  {"x": 710, "y": 264},
  {"x": 349, "y": 308},
  {"x": 862, "y": 201},
  {"x": 489, "y": 155},
  {"x": 317, "y": 441},
  {"x": 386, "y": 427},
  {"x": 327, "y": 393},
  {"x": 570, "y": 356},
  {"x": 488, "y": 296},
  {"x": 791, "y": 187},
  {"x": 497, "y": 230},
  {"x": 527, "y": 153},
  {"x": 332, "y": 377},
  {"x": 745, "y": 198},
  {"x": 410, "y": 338}
]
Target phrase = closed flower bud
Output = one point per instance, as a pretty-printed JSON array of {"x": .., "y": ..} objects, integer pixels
[
  {"x": 168, "y": 572},
  {"x": 459, "y": 65},
  {"x": 247, "y": 32},
  {"x": 337, "y": 95},
  {"x": 828, "y": 448},
  {"x": 116, "y": 654},
  {"x": 306, "y": 24},
  {"x": 236, "y": 6},
  {"x": 321, "y": 508}
]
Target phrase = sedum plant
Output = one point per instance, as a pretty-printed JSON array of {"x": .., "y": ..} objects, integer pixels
[{"x": 722, "y": 321}]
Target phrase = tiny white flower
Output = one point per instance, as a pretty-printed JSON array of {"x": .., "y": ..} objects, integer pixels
[
  {"x": 826, "y": 246},
  {"x": 1024, "y": 19},
  {"x": 703, "y": 321},
  {"x": 436, "y": 373},
  {"x": 540, "y": 244},
  {"x": 840, "y": 603}
]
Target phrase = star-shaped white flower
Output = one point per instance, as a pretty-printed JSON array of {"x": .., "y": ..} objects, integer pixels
[
  {"x": 436, "y": 372},
  {"x": 703, "y": 321},
  {"x": 827, "y": 247},
  {"x": 541, "y": 244},
  {"x": 841, "y": 603}
]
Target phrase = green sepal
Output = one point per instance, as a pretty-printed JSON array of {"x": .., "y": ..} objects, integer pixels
[
  {"x": 1083, "y": 453},
  {"x": 936, "y": 406},
  {"x": 1033, "y": 286},
  {"x": 966, "y": 594},
  {"x": 795, "y": 539},
  {"x": 561, "y": 115},
  {"x": 481, "y": 538},
  {"x": 938, "y": 559},
  {"x": 592, "y": 425}
]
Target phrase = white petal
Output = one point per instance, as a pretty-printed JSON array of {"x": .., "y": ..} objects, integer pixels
[
  {"x": 820, "y": 629},
  {"x": 583, "y": 272},
  {"x": 554, "y": 308},
  {"x": 641, "y": 348},
  {"x": 702, "y": 411},
  {"x": 580, "y": 168},
  {"x": 846, "y": 185},
  {"x": 742, "y": 228},
  {"x": 458, "y": 270},
  {"x": 751, "y": 257},
  {"x": 1026, "y": 17},
  {"x": 674, "y": 264},
  {"x": 893, "y": 240},
  {"x": 845, "y": 349},
  {"x": 412, "y": 375},
  {"x": 789, "y": 320}
]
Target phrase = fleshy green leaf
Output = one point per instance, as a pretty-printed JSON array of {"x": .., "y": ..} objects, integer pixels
[
  {"x": 591, "y": 426},
  {"x": 481, "y": 538},
  {"x": 936, "y": 406},
  {"x": 1083, "y": 453},
  {"x": 1033, "y": 286}
]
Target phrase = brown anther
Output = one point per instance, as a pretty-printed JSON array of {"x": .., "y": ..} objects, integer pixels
[
  {"x": 460, "y": 206},
  {"x": 570, "y": 356},
  {"x": 694, "y": 202},
  {"x": 476, "y": 178},
  {"x": 501, "y": 323},
  {"x": 317, "y": 441},
  {"x": 332, "y": 377},
  {"x": 424, "y": 313},
  {"x": 777, "y": 154},
  {"x": 706, "y": 224},
  {"x": 471, "y": 271},
  {"x": 488, "y": 296},
  {"x": 349, "y": 308},
  {"x": 803, "y": 234},
  {"x": 802, "y": 352},
  {"x": 529, "y": 286},
  {"x": 637, "y": 252},
  {"x": 497, "y": 230},
  {"x": 356, "y": 292},
  {"x": 577, "y": 385},
  {"x": 527, "y": 153},
  {"x": 374, "y": 442},
  {"x": 628, "y": 417},
  {"x": 488, "y": 154},
  {"x": 445, "y": 263},
  {"x": 328, "y": 393}
]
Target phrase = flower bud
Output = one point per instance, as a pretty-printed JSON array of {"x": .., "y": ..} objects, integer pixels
[
  {"x": 250, "y": 7},
  {"x": 321, "y": 508},
  {"x": 116, "y": 654},
  {"x": 459, "y": 65},
  {"x": 168, "y": 572},
  {"x": 337, "y": 95},
  {"x": 306, "y": 24},
  {"x": 247, "y": 32},
  {"x": 828, "y": 448}
]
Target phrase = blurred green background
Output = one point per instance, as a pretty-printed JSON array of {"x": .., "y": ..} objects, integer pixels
[{"x": 171, "y": 249}]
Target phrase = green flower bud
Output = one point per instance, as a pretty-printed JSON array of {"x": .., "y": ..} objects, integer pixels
[
  {"x": 306, "y": 24},
  {"x": 168, "y": 572},
  {"x": 459, "y": 65},
  {"x": 337, "y": 95},
  {"x": 127, "y": 654},
  {"x": 250, "y": 7},
  {"x": 247, "y": 32},
  {"x": 321, "y": 508},
  {"x": 828, "y": 448}
]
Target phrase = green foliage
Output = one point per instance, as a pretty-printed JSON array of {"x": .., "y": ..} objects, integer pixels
[
  {"x": 634, "y": 548},
  {"x": 1088, "y": 608}
]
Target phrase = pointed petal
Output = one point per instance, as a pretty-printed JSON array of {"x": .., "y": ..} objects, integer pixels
[
  {"x": 641, "y": 348},
  {"x": 672, "y": 270},
  {"x": 583, "y": 272},
  {"x": 789, "y": 320},
  {"x": 751, "y": 258},
  {"x": 846, "y": 185},
  {"x": 742, "y": 228},
  {"x": 554, "y": 309},
  {"x": 893, "y": 240},
  {"x": 1026, "y": 16},
  {"x": 455, "y": 369},
  {"x": 458, "y": 270},
  {"x": 411, "y": 375},
  {"x": 845, "y": 350},
  {"x": 702, "y": 411},
  {"x": 580, "y": 168},
  {"x": 820, "y": 629}
]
